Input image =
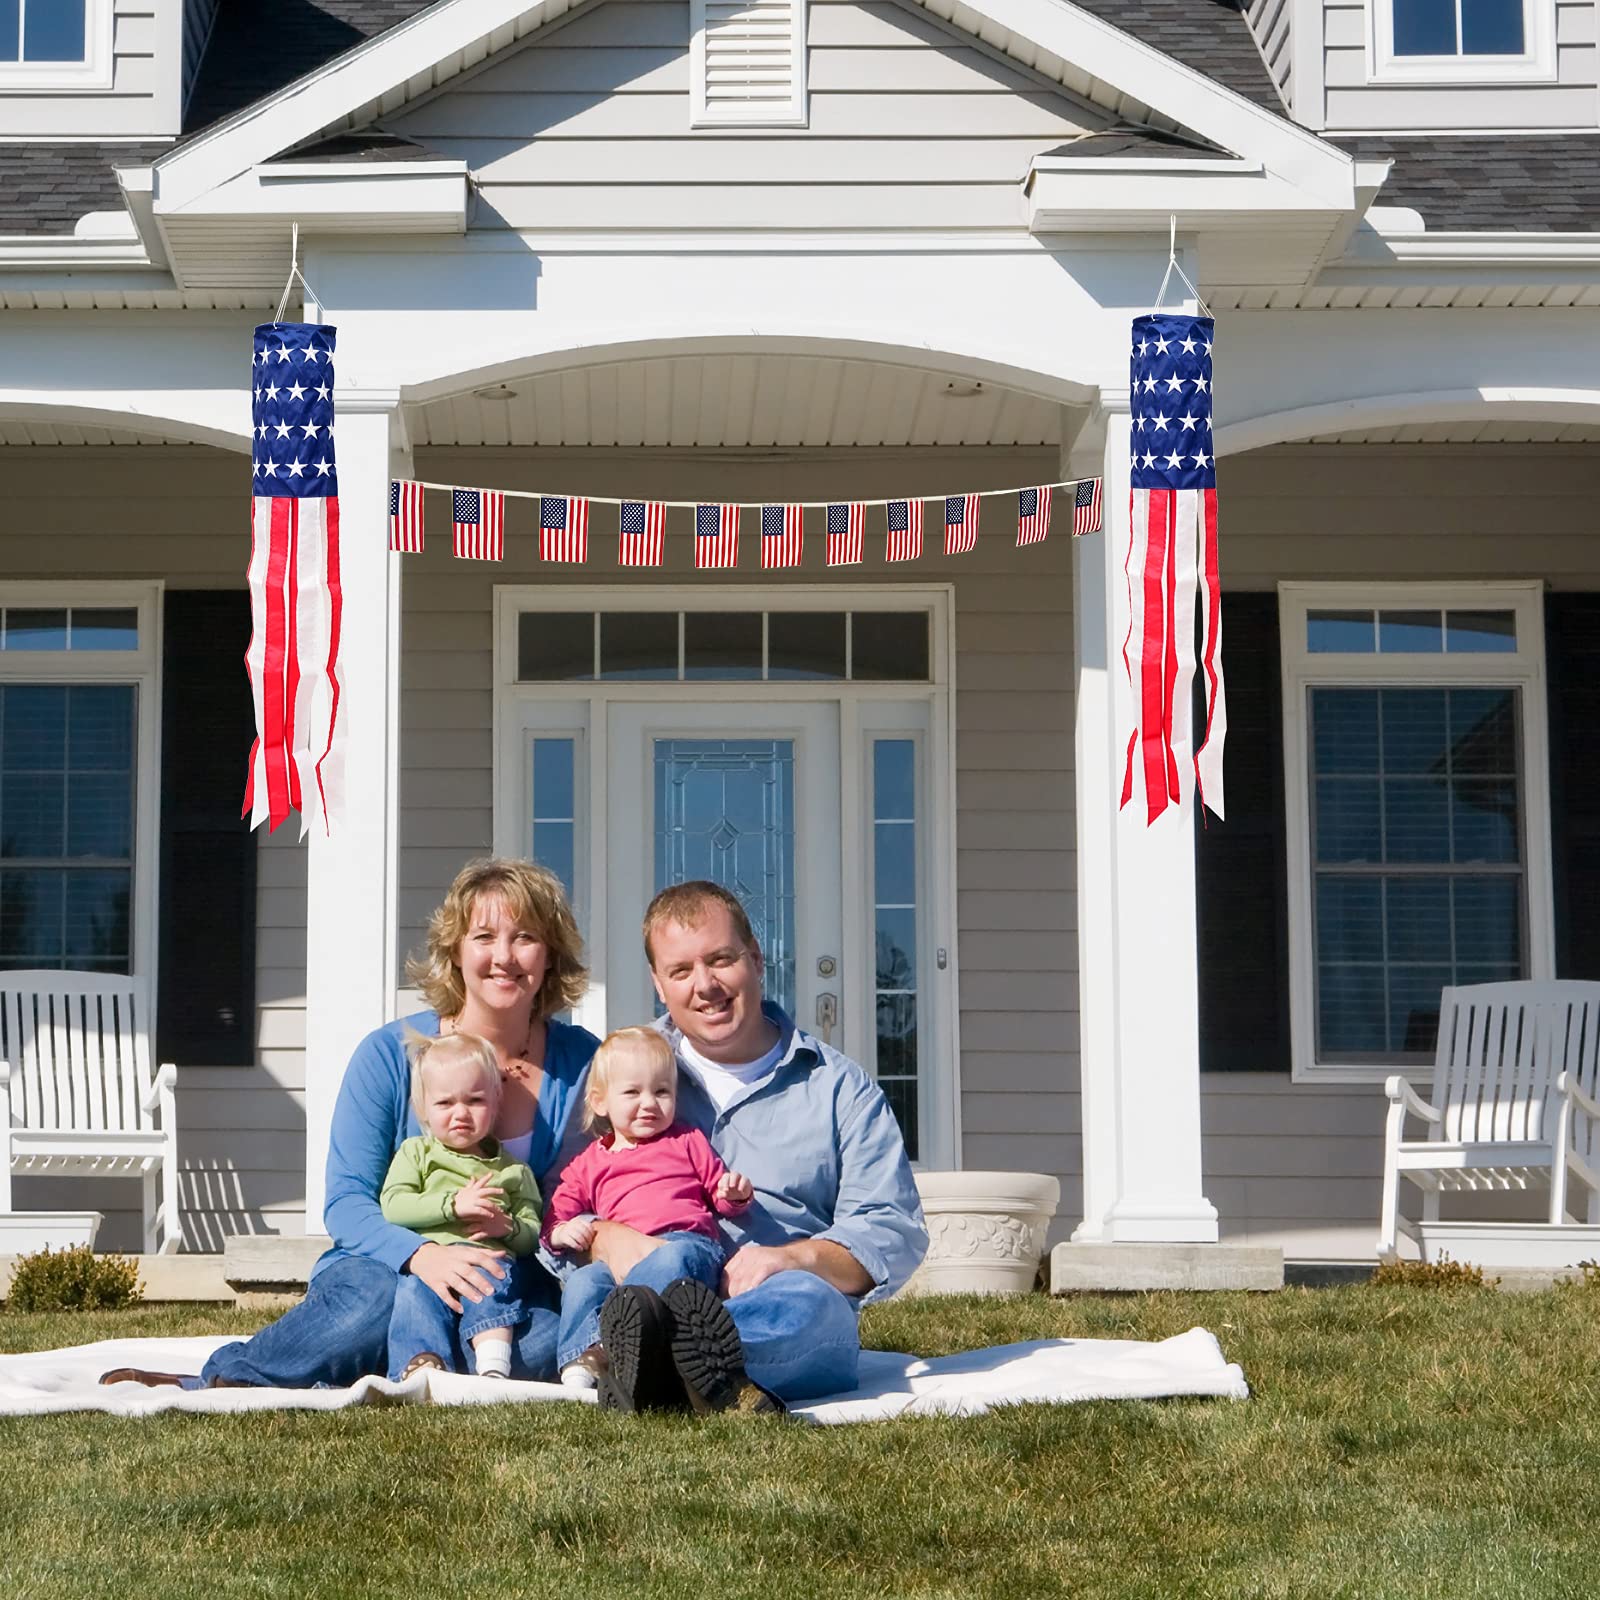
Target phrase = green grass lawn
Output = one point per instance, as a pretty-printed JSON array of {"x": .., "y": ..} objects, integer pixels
[{"x": 1400, "y": 1442}]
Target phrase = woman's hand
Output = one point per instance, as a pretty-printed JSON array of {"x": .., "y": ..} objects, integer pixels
[
  {"x": 457, "y": 1272},
  {"x": 575, "y": 1235}
]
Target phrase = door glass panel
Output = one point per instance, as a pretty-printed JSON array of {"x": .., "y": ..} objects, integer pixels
[
  {"x": 805, "y": 644},
  {"x": 724, "y": 810},
  {"x": 639, "y": 645},
  {"x": 894, "y": 878},
  {"x": 886, "y": 646},
  {"x": 722, "y": 644},
  {"x": 555, "y": 811},
  {"x": 555, "y": 646}
]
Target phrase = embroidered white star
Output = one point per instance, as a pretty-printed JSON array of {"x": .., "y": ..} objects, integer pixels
[
  {"x": 1159, "y": 423},
  {"x": 297, "y": 391},
  {"x": 1161, "y": 345},
  {"x": 272, "y": 391},
  {"x": 261, "y": 430},
  {"x": 1202, "y": 459},
  {"x": 1174, "y": 460},
  {"x": 1149, "y": 385},
  {"x": 1139, "y": 424},
  {"x": 1149, "y": 459},
  {"x": 310, "y": 353},
  {"x": 1201, "y": 385},
  {"x": 283, "y": 352},
  {"x": 324, "y": 468},
  {"x": 283, "y": 430},
  {"x": 1208, "y": 347},
  {"x": 322, "y": 391},
  {"x": 311, "y": 429},
  {"x": 1186, "y": 421},
  {"x": 297, "y": 469},
  {"x": 1144, "y": 345},
  {"x": 1174, "y": 385},
  {"x": 1188, "y": 345}
]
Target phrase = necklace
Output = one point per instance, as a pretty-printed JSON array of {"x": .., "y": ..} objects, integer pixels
[{"x": 519, "y": 1066}]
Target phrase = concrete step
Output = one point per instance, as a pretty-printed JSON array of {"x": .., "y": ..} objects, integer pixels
[
  {"x": 1113, "y": 1268},
  {"x": 165, "y": 1278}
]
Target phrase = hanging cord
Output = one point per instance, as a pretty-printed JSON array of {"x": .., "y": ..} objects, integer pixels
[
  {"x": 1174, "y": 265},
  {"x": 294, "y": 273}
]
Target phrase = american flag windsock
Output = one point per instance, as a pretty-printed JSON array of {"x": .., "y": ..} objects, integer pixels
[
  {"x": 563, "y": 528},
  {"x": 642, "y": 533},
  {"x": 479, "y": 520},
  {"x": 716, "y": 535},
  {"x": 1086, "y": 508},
  {"x": 780, "y": 536},
  {"x": 405, "y": 516},
  {"x": 1172, "y": 564},
  {"x": 905, "y": 531},
  {"x": 847, "y": 526},
  {"x": 296, "y": 605},
  {"x": 1033, "y": 515},
  {"x": 960, "y": 523}
]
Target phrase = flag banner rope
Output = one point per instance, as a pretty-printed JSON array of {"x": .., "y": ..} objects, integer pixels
[
  {"x": 1171, "y": 569},
  {"x": 296, "y": 603}
]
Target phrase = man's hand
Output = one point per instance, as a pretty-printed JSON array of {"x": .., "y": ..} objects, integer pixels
[
  {"x": 734, "y": 1190},
  {"x": 753, "y": 1264},
  {"x": 457, "y": 1272},
  {"x": 575, "y": 1235},
  {"x": 620, "y": 1247}
]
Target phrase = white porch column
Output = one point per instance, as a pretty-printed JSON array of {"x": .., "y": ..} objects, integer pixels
[
  {"x": 1138, "y": 983},
  {"x": 350, "y": 910}
]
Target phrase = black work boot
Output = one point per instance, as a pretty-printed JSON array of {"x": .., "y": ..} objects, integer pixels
[
  {"x": 708, "y": 1356},
  {"x": 636, "y": 1333}
]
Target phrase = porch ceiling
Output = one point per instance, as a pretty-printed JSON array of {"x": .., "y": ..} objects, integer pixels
[
  {"x": 739, "y": 401},
  {"x": 1487, "y": 431},
  {"x": 22, "y": 431}
]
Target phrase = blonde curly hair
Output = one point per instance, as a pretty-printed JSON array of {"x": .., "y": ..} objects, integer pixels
[{"x": 534, "y": 897}]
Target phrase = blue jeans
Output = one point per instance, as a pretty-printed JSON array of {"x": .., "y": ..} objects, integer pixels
[
  {"x": 800, "y": 1335},
  {"x": 584, "y": 1291},
  {"x": 423, "y": 1322},
  {"x": 340, "y": 1331}
]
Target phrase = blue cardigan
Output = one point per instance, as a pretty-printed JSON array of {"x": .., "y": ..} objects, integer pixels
[{"x": 373, "y": 1118}]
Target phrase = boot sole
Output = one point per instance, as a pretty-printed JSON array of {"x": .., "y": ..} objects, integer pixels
[
  {"x": 709, "y": 1357},
  {"x": 634, "y": 1334}
]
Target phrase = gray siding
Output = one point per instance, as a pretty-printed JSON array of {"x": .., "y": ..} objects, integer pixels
[
  {"x": 588, "y": 126},
  {"x": 1272, "y": 23}
]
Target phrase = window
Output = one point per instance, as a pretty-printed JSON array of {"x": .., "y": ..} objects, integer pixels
[
  {"x": 50, "y": 44},
  {"x": 1462, "y": 41},
  {"x": 78, "y": 709},
  {"x": 1418, "y": 835},
  {"x": 748, "y": 63},
  {"x": 896, "y": 873}
]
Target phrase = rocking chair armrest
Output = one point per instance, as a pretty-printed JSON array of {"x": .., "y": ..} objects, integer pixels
[
  {"x": 1401, "y": 1092},
  {"x": 164, "y": 1082},
  {"x": 1567, "y": 1086}
]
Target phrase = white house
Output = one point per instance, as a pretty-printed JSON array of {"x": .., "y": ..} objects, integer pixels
[{"x": 764, "y": 250}]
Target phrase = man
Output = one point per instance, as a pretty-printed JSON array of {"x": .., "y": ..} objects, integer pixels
[{"x": 836, "y": 1220}]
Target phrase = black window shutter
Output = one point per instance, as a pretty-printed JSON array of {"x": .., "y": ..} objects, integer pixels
[
  {"x": 206, "y": 980},
  {"x": 1241, "y": 871},
  {"x": 1572, "y": 659}
]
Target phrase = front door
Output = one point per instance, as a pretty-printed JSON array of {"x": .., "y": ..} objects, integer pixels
[{"x": 744, "y": 794}]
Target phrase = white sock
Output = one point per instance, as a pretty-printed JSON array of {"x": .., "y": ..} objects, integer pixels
[
  {"x": 577, "y": 1376},
  {"x": 493, "y": 1358}
]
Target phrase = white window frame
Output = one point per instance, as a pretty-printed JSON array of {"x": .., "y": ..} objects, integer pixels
[
  {"x": 706, "y": 113},
  {"x": 1536, "y": 63},
  {"x": 1301, "y": 671},
  {"x": 95, "y": 72},
  {"x": 142, "y": 669},
  {"x": 523, "y": 711}
]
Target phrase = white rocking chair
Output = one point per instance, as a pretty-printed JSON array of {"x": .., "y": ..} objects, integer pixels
[
  {"x": 80, "y": 1098},
  {"x": 1514, "y": 1102}
]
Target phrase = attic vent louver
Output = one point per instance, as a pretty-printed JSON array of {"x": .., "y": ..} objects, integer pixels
[{"x": 748, "y": 63}]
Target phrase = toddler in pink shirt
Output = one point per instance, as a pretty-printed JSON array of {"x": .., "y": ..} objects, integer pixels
[{"x": 646, "y": 1170}]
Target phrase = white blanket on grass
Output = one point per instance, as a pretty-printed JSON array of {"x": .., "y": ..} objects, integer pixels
[{"x": 891, "y": 1385}]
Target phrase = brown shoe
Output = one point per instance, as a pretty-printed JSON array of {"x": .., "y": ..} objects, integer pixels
[
  {"x": 587, "y": 1371},
  {"x": 423, "y": 1361},
  {"x": 151, "y": 1380}
]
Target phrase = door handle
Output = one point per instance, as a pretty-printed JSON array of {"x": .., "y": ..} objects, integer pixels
[{"x": 827, "y": 1016}]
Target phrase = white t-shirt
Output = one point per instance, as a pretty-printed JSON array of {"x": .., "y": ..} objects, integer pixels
[
  {"x": 519, "y": 1147},
  {"x": 722, "y": 1080}
]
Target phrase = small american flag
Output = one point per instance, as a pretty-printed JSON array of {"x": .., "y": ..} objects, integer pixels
[
  {"x": 642, "y": 533},
  {"x": 780, "y": 536},
  {"x": 480, "y": 524},
  {"x": 563, "y": 528},
  {"x": 847, "y": 523},
  {"x": 716, "y": 535},
  {"x": 905, "y": 530},
  {"x": 960, "y": 523},
  {"x": 405, "y": 516},
  {"x": 1033, "y": 515},
  {"x": 1086, "y": 508}
]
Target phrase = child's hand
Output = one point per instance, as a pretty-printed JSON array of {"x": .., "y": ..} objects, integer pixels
[
  {"x": 575, "y": 1235},
  {"x": 734, "y": 1190},
  {"x": 480, "y": 1200}
]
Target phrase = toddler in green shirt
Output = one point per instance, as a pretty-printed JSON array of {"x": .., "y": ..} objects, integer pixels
[{"x": 444, "y": 1185}]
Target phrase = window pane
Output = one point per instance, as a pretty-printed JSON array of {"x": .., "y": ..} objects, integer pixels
[
  {"x": 554, "y": 847},
  {"x": 555, "y": 646},
  {"x": 553, "y": 785},
  {"x": 97, "y": 918},
  {"x": 35, "y": 629},
  {"x": 722, "y": 644},
  {"x": 1339, "y": 632},
  {"x": 805, "y": 644},
  {"x": 1409, "y": 633},
  {"x": 1350, "y": 1014},
  {"x": 1491, "y": 27},
  {"x": 894, "y": 788},
  {"x": 30, "y": 917},
  {"x": 1483, "y": 732},
  {"x": 894, "y": 876},
  {"x": 102, "y": 628},
  {"x": 1481, "y": 632},
  {"x": 1417, "y": 924},
  {"x": 100, "y": 815},
  {"x": 1348, "y": 824},
  {"x": 100, "y": 728},
  {"x": 1483, "y": 820},
  {"x": 1349, "y": 917},
  {"x": 896, "y": 856},
  {"x": 1414, "y": 1009},
  {"x": 1344, "y": 729},
  {"x": 639, "y": 645},
  {"x": 1416, "y": 820},
  {"x": 33, "y": 727},
  {"x": 1424, "y": 27},
  {"x": 886, "y": 646},
  {"x": 1488, "y": 923},
  {"x": 897, "y": 948},
  {"x": 10, "y": 30},
  {"x": 53, "y": 30}
]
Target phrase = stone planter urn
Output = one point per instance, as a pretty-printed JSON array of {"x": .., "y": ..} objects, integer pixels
[{"x": 985, "y": 1231}]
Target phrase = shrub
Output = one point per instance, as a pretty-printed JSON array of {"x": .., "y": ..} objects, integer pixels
[
  {"x": 1589, "y": 1275},
  {"x": 1441, "y": 1274},
  {"x": 74, "y": 1280}
]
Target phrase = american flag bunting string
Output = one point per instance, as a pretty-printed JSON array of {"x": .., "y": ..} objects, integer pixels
[
  {"x": 960, "y": 523},
  {"x": 296, "y": 601},
  {"x": 1033, "y": 515},
  {"x": 781, "y": 535},
  {"x": 563, "y": 528},
  {"x": 716, "y": 535},
  {"x": 1086, "y": 508},
  {"x": 480, "y": 524},
  {"x": 405, "y": 517},
  {"x": 1171, "y": 565},
  {"x": 847, "y": 525},
  {"x": 642, "y": 533},
  {"x": 905, "y": 531}
]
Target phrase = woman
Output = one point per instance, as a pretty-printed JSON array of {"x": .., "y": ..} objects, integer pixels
[{"x": 503, "y": 957}]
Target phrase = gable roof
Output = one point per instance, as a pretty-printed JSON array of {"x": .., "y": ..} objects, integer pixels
[{"x": 48, "y": 187}]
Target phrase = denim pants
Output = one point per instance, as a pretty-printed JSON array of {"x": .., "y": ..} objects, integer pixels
[
  {"x": 583, "y": 1291},
  {"x": 421, "y": 1321},
  {"x": 800, "y": 1335},
  {"x": 340, "y": 1331}
]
